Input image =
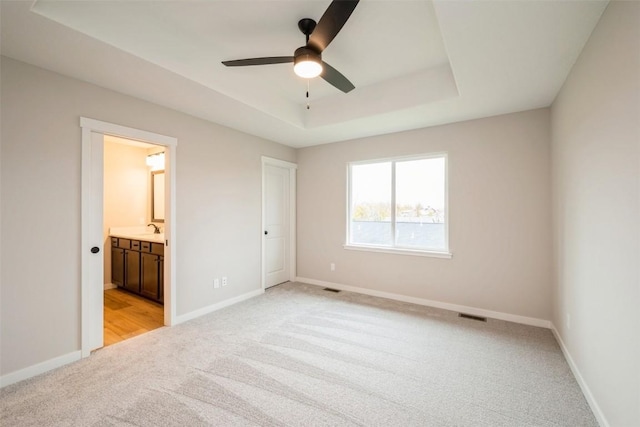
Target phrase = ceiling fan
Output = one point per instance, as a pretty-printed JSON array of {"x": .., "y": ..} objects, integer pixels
[{"x": 307, "y": 60}]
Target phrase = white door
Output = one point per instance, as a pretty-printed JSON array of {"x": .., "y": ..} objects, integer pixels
[
  {"x": 276, "y": 224},
  {"x": 92, "y": 243}
]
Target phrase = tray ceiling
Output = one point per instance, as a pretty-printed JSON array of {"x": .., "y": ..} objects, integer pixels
[{"x": 414, "y": 63}]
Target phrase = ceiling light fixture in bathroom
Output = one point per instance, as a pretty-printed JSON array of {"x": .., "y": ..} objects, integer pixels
[{"x": 156, "y": 161}]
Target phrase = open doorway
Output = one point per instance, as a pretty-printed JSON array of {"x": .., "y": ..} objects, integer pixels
[
  {"x": 133, "y": 232},
  {"x": 158, "y": 248}
]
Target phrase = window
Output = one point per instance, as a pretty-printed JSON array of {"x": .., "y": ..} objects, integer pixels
[{"x": 399, "y": 205}]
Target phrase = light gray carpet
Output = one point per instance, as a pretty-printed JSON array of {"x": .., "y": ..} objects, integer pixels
[{"x": 301, "y": 356}]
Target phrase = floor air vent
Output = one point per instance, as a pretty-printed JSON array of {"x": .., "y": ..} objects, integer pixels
[
  {"x": 331, "y": 290},
  {"x": 472, "y": 317}
]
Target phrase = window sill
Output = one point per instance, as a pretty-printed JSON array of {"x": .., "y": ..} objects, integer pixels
[{"x": 397, "y": 251}]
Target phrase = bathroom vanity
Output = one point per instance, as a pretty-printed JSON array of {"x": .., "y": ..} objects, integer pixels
[{"x": 137, "y": 264}]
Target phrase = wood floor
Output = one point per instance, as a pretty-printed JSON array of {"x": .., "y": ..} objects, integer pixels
[{"x": 127, "y": 315}]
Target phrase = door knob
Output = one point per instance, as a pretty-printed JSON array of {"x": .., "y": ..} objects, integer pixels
[
  {"x": 266, "y": 232},
  {"x": 95, "y": 250}
]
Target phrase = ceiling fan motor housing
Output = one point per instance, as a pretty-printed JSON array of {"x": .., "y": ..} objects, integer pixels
[{"x": 306, "y": 53}]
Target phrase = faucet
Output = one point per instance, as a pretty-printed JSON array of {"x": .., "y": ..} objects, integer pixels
[{"x": 156, "y": 228}]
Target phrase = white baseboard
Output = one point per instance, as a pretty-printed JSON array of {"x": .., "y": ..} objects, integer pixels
[
  {"x": 218, "y": 306},
  {"x": 532, "y": 321},
  {"x": 581, "y": 382},
  {"x": 39, "y": 368},
  {"x": 57, "y": 362}
]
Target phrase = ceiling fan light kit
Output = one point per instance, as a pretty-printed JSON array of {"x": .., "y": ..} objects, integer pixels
[
  {"x": 307, "y": 63},
  {"x": 307, "y": 60}
]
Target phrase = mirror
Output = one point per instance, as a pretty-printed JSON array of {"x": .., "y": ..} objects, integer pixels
[{"x": 157, "y": 196}]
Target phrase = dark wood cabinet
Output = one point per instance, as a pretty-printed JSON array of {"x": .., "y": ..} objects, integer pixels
[
  {"x": 117, "y": 266},
  {"x": 138, "y": 266},
  {"x": 161, "y": 278},
  {"x": 132, "y": 270},
  {"x": 151, "y": 273}
]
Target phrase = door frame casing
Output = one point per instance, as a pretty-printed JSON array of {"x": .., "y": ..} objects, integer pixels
[
  {"x": 91, "y": 306},
  {"x": 292, "y": 167}
]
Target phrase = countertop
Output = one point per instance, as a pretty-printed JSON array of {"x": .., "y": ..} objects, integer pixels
[{"x": 137, "y": 233}]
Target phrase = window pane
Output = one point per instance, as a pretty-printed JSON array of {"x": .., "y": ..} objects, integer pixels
[
  {"x": 370, "y": 221},
  {"x": 420, "y": 204}
]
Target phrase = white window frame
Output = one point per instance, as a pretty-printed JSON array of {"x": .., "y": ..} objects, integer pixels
[{"x": 444, "y": 253}]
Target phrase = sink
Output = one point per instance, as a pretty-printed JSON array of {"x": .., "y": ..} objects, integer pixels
[
  {"x": 149, "y": 237},
  {"x": 137, "y": 233}
]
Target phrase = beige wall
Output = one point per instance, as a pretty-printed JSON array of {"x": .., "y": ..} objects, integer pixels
[
  {"x": 499, "y": 203},
  {"x": 218, "y": 206},
  {"x": 596, "y": 183},
  {"x": 126, "y": 192}
]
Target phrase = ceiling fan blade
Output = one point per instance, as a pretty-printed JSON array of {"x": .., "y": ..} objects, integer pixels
[
  {"x": 335, "y": 78},
  {"x": 331, "y": 23},
  {"x": 259, "y": 61}
]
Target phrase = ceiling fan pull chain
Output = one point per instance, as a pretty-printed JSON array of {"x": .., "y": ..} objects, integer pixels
[{"x": 308, "y": 107}]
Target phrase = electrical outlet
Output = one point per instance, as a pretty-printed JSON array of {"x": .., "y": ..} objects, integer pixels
[
  {"x": 568, "y": 321},
  {"x": 332, "y": 266},
  {"x": 216, "y": 283},
  {"x": 224, "y": 281}
]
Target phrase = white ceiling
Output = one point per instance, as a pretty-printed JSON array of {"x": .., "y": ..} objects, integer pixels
[{"x": 415, "y": 63}]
